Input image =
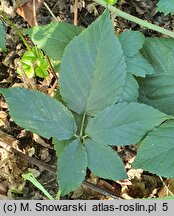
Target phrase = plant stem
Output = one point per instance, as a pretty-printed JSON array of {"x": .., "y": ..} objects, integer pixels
[
  {"x": 76, "y": 136},
  {"x": 82, "y": 124},
  {"x": 50, "y": 11},
  {"x": 134, "y": 19},
  {"x": 51, "y": 66},
  {"x": 16, "y": 29}
]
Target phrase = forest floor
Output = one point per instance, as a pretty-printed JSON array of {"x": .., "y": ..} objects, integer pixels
[{"x": 13, "y": 162}]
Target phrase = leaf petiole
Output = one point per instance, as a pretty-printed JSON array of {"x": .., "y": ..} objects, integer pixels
[
  {"x": 16, "y": 29},
  {"x": 82, "y": 126}
]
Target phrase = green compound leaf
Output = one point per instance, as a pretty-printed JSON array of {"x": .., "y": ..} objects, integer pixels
[
  {"x": 130, "y": 92},
  {"x": 34, "y": 63},
  {"x": 3, "y": 36},
  {"x": 72, "y": 166},
  {"x": 157, "y": 90},
  {"x": 93, "y": 68},
  {"x": 132, "y": 42},
  {"x": 123, "y": 124},
  {"x": 166, "y": 6},
  {"x": 39, "y": 113},
  {"x": 103, "y": 161},
  {"x": 156, "y": 151},
  {"x": 53, "y": 38}
]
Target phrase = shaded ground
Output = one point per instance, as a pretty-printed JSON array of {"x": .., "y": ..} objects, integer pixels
[{"x": 12, "y": 186}]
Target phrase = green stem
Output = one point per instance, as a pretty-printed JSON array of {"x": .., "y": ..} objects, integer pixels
[
  {"x": 135, "y": 19},
  {"x": 51, "y": 66},
  {"x": 76, "y": 136},
  {"x": 16, "y": 29},
  {"x": 84, "y": 137},
  {"x": 82, "y": 125}
]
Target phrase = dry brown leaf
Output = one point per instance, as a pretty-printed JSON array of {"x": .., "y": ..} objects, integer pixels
[
  {"x": 78, "y": 193},
  {"x": 26, "y": 10},
  {"x": 163, "y": 192},
  {"x": 167, "y": 189},
  {"x": 134, "y": 173},
  {"x": 6, "y": 138},
  {"x": 4, "y": 121},
  {"x": 170, "y": 184},
  {"x": 2, "y": 197},
  {"x": 45, "y": 155},
  {"x": 41, "y": 141}
]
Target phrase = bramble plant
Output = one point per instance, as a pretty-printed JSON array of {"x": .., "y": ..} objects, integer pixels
[
  {"x": 97, "y": 83},
  {"x": 116, "y": 90}
]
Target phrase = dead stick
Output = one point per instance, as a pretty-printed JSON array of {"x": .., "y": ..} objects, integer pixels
[
  {"x": 34, "y": 13},
  {"x": 75, "y": 12},
  {"x": 27, "y": 158}
]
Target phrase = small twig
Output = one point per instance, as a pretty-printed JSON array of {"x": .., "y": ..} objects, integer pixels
[
  {"x": 55, "y": 5},
  {"x": 34, "y": 13},
  {"x": 164, "y": 184},
  {"x": 100, "y": 190},
  {"x": 75, "y": 12},
  {"x": 54, "y": 74},
  {"x": 47, "y": 7},
  {"x": 53, "y": 87},
  {"x": 51, "y": 66}
]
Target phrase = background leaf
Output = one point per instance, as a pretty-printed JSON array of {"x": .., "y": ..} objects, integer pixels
[
  {"x": 132, "y": 42},
  {"x": 156, "y": 151},
  {"x": 130, "y": 92},
  {"x": 166, "y": 6},
  {"x": 72, "y": 166},
  {"x": 39, "y": 113},
  {"x": 54, "y": 37},
  {"x": 93, "y": 68},
  {"x": 111, "y": 165},
  {"x": 123, "y": 124},
  {"x": 3, "y": 36},
  {"x": 157, "y": 90},
  {"x": 139, "y": 66}
]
